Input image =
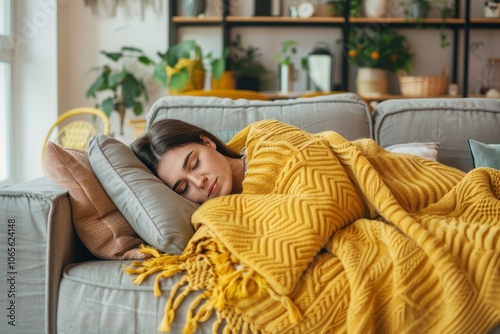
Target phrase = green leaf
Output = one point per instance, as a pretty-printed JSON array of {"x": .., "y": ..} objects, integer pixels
[
  {"x": 138, "y": 108},
  {"x": 131, "y": 87},
  {"x": 218, "y": 67},
  {"x": 179, "y": 80},
  {"x": 132, "y": 49},
  {"x": 128, "y": 102},
  {"x": 145, "y": 60},
  {"x": 96, "y": 86},
  {"x": 115, "y": 56},
  {"x": 116, "y": 78},
  {"x": 160, "y": 73},
  {"x": 107, "y": 106}
]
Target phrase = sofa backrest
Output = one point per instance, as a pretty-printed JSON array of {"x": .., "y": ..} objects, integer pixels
[
  {"x": 346, "y": 114},
  {"x": 449, "y": 121}
]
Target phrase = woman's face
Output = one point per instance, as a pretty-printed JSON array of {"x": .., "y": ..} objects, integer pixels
[{"x": 196, "y": 171}]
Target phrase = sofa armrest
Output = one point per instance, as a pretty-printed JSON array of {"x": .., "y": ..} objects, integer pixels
[{"x": 39, "y": 238}]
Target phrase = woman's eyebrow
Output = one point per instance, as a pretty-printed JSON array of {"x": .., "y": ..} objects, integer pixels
[{"x": 186, "y": 160}]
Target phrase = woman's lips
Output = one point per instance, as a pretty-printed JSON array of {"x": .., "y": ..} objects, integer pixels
[{"x": 213, "y": 188}]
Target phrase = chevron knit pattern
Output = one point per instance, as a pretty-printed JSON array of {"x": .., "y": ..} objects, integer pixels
[{"x": 332, "y": 236}]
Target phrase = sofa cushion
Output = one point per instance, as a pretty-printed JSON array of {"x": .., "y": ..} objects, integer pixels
[
  {"x": 346, "y": 114},
  {"x": 160, "y": 216},
  {"x": 485, "y": 155},
  {"x": 428, "y": 150},
  {"x": 98, "y": 223},
  {"x": 449, "y": 121}
]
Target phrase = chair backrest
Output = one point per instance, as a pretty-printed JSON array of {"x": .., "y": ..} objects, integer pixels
[{"x": 74, "y": 128}]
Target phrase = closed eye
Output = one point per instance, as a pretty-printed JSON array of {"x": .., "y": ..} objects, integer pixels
[{"x": 197, "y": 163}]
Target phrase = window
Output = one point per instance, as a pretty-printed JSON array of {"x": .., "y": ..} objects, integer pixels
[{"x": 6, "y": 144}]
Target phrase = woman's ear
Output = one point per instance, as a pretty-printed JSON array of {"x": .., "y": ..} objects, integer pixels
[{"x": 207, "y": 141}]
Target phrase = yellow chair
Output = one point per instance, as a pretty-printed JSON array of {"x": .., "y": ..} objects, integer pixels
[
  {"x": 230, "y": 93},
  {"x": 74, "y": 128}
]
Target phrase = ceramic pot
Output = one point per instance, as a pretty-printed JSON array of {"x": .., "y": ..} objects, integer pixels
[
  {"x": 196, "y": 75},
  {"x": 371, "y": 81},
  {"x": 375, "y": 8},
  {"x": 193, "y": 7},
  {"x": 419, "y": 10},
  {"x": 226, "y": 81}
]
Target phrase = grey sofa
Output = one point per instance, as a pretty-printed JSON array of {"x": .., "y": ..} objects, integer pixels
[{"x": 49, "y": 282}]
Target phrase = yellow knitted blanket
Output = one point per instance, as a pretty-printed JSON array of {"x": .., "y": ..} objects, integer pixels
[{"x": 333, "y": 236}]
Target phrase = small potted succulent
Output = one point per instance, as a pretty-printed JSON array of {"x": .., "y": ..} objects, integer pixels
[{"x": 492, "y": 9}]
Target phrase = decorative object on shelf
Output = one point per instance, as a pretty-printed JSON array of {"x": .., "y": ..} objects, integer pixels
[
  {"x": 375, "y": 8},
  {"x": 490, "y": 75},
  {"x": 293, "y": 11},
  {"x": 110, "y": 7},
  {"x": 128, "y": 90},
  {"x": 305, "y": 9},
  {"x": 221, "y": 79},
  {"x": 194, "y": 8},
  {"x": 355, "y": 8},
  {"x": 181, "y": 67},
  {"x": 492, "y": 9},
  {"x": 320, "y": 65},
  {"x": 246, "y": 65},
  {"x": 286, "y": 69},
  {"x": 423, "y": 86},
  {"x": 417, "y": 9},
  {"x": 371, "y": 81},
  {"x": 377, "y": 49},
  {"x": 262, "y": 8},
  {"x": 335, "y": 8}
]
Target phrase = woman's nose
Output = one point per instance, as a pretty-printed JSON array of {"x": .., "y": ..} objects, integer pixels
[{"x": 200, "y": 181}]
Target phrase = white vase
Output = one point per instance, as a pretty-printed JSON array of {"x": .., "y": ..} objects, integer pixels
[
  {"x": 375, "y": 8},
  {"x": 286, "y": 75},
  {"x": 371, "y": 81}
]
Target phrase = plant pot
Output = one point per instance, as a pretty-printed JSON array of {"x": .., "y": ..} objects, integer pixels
[
  {"x": 492, "y": 10},
  {"x": 419, "y": 10},
  {"x": 286, "y": 77},
  {"x": 248, "y": 83},
  {"x": 196, "y": 75},
  {"x": 371, "y": 81},
  {"x": 193, "y": 7},
  {"x": 375, "y": 8},
  {"x": 226, "y": 81}
]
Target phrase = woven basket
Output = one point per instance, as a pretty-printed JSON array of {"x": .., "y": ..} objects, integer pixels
[{"x": 433, "y": 85}]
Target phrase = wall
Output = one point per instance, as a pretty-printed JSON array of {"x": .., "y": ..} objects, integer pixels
[
  {"x": 34, "y": 82},
  {"x": 83, "y": 34}
]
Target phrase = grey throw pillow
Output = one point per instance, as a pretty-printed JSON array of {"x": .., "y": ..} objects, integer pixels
[
  {"x": 485, "y": 155},
  {"x": 158, "y": 215}
]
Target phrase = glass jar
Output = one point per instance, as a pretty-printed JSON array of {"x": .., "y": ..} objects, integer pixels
[{"x": 491, "y": 75}]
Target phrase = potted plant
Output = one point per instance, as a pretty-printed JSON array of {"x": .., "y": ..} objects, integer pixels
[
  {"x": 375, "y": 52},
  {"x": 181, "y": 67},
  {"x": 286, "y": 60},
  {"x": 416, "y": 9},
  {"x": 246, "y": 65},
  {"x": 128, "y": 91},
  {"x": 221, "y": 78}
]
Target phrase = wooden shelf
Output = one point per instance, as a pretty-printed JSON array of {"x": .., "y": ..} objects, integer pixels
[
  {"x": 402, "y": 20},
  {"x": 197, "y": 20},
  {"x": 459, "y": 28},
  {"x": 483, "y": 20},
  {"x": 283, "y": 19}
]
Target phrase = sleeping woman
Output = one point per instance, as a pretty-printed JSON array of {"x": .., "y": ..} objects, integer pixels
[{"x": 312, "y": 233}]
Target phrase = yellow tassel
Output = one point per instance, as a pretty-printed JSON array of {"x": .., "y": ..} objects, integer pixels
[{"x": 294, "y": 313}]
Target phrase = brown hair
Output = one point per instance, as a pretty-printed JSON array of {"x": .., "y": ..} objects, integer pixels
[{"x": 170, "y": 133}]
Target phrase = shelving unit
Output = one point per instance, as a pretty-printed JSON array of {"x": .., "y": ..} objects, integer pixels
[{"x": 455, "y": 24}]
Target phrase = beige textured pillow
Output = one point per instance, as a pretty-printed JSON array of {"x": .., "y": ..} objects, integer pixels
[{"x": 98, "y": 223}]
